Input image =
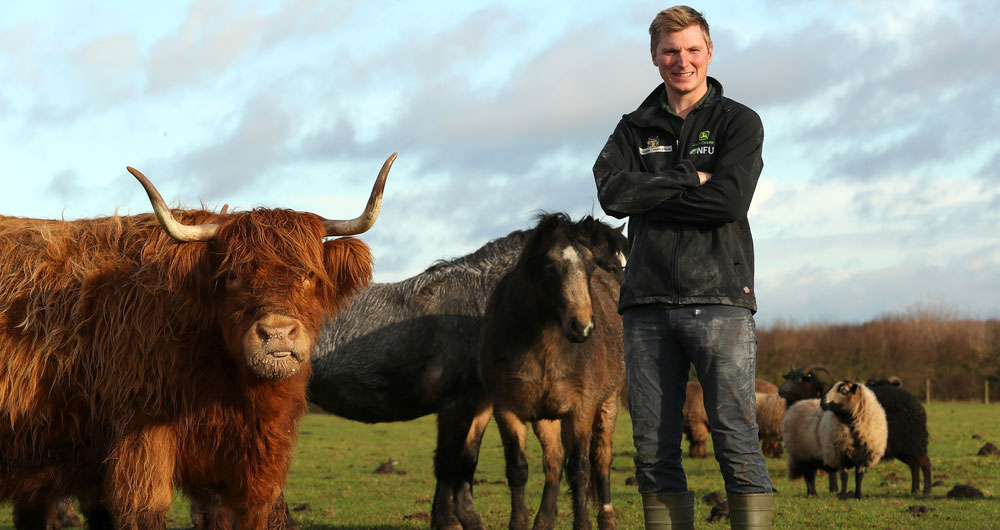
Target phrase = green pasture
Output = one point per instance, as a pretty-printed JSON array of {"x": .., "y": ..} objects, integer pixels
[{"x": 333, "y": 485}]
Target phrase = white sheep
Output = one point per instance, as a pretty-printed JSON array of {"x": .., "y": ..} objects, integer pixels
[
  {"x": 852, "y": 431},
  {"x": 803, "y": 449}
]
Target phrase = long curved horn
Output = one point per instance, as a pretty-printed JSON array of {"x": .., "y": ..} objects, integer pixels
[
  {"x": 812, "y": 367},
  {"x": 367, "y": 219},
  {"x": 173, "y": 228}
]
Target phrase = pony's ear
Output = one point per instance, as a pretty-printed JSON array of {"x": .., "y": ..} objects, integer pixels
[{"x": 588, "y": 232}]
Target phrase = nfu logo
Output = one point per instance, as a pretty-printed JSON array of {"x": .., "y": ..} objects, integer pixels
[{"x": 703, "y": 150}]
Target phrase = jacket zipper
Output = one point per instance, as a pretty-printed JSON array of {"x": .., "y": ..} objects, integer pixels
[{"x": 676, "y": 276}]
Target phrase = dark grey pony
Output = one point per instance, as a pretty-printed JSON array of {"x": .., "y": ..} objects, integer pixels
[{"x": 408, "y": 349}]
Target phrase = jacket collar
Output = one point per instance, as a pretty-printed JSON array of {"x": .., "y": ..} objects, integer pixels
[{"x": 649, "y": 113}]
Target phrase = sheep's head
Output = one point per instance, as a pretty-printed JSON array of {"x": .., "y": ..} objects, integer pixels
[
  {"x": 840, "y": 399},
  {"x": 803, "y": 384}
]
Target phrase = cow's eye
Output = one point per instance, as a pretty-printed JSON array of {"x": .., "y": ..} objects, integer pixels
[{"x": 232, "y": 280}]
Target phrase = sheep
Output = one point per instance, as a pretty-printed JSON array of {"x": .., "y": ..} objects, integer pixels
[
  {"x": 695, "y": 420},
  {"x": 892, "y": 380},
  {"x": 696, "y": 426},
  {"x": 770, "y": 413},
  {"x": 907, "y": 440},
  {"x": 765, "y": 387},
  {"x": 803, "y": 449},
  {"x": 853, "y": 431},
  {"x": 803, "y": 384}
]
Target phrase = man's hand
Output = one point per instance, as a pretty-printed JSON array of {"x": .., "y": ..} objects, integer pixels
[{"x": 703, "y": 177}]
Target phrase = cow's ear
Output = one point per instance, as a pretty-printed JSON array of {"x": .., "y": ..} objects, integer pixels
[{"x": 349, "y": 264}]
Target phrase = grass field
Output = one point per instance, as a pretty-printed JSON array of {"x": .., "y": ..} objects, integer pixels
[{"x": 332, "y": 484}]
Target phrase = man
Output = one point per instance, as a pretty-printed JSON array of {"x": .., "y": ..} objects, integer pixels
[{"x": 683, "y": 167}]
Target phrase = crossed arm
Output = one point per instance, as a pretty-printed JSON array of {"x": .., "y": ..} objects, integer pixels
[{"x": 683, "y": 194}]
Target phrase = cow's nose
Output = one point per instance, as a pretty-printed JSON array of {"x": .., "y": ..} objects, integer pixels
[{"x": 282, "y": 329}]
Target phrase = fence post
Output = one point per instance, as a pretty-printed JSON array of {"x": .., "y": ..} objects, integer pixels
[{"x": 928, "y": 391}]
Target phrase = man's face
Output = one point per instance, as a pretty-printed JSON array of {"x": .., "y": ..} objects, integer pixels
[{"x": 683, "y": 58}]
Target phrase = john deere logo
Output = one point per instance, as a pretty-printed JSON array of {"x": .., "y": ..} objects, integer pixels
[{"x": 703, "y": 135}]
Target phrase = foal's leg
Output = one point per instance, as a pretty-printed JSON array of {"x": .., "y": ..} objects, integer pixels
[
  {"x": 600, "y": 461},
  {"x": 577, "y": 431},
  {"x": 470, "y": 458},
  {"x": 455, "y": 464},
  {"x": 512, "y": 432},
  {"x": 550, "y": 438}
]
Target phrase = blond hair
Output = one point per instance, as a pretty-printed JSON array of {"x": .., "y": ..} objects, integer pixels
[{"x": 674, "y": 19}]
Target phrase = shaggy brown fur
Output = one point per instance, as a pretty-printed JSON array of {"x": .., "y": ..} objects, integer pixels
[
  {"x": 539, "y": 362},
  {"x": 770, "y": 413},
  {"x": 124, "y": 362},
  {"x": 696, "y": 420}
]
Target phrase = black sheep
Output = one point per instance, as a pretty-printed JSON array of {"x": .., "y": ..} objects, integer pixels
[
  {"x": 907, "y": 431},
  {"x": 803, "y": 384}
]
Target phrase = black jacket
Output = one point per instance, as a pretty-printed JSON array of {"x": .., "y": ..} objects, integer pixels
[{"x": 689, "y": 243}]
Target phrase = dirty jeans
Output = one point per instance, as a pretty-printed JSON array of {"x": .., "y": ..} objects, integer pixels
[{"x": 660, "y": 346}]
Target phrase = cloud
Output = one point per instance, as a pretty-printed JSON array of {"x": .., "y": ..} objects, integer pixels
[
  {"x": 560, "y": 98},
  {"x": 822, "y": 294},
  {"x": 108, "y": 66},
  {"x": 880, "y": 94},
  {"x": 241, "y": 159},
  {"x": 65, "y": 186},
  {"x": 458, "y": 215},
  {"x": 218, "y": 34},
  {"x": 879, "y": 158}
]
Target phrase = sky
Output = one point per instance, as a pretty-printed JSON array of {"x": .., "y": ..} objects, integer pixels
[{"x": 878, "y": 196}]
